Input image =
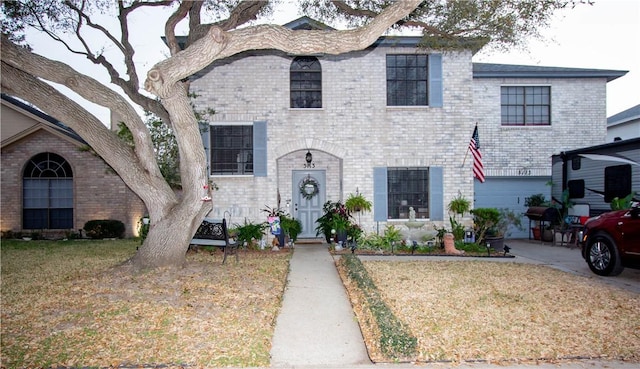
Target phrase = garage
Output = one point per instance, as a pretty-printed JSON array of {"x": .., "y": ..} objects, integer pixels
[{"x": 510, "y": 193}]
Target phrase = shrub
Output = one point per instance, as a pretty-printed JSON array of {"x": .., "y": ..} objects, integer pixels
[
  {"x": 249, "y": 232},
  {"x": 396, "y": 340},
  {"x": 104, "y": 228}
]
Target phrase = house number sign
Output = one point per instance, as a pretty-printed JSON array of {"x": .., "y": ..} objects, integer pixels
[
  {"x": 309, "y": 165},
  {"x": 524, "y": 172}
]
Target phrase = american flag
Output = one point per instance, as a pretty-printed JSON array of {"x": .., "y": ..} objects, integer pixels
[{"x": 474, "y": 146}]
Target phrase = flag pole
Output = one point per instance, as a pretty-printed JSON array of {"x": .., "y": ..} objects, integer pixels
[
  {"x": 467, "y": 153},
  {"x": 465, "y": 157}
]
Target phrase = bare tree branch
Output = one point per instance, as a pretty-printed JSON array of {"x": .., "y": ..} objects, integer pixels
[{"x": 219, "y": 44}]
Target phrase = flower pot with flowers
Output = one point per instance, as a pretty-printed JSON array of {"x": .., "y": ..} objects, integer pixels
[{"x": 335, "y": 222}]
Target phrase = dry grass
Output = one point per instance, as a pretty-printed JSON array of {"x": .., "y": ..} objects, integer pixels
[
  {"x": 475, "y": 310},
  {"x": 64, "y": 304}
]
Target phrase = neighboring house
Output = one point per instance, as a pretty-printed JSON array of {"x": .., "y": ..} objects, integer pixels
[
  {"x": 624, "y": 125},
  {"x": 51, "y": 183},
  {"x": 392, "y": 122}
]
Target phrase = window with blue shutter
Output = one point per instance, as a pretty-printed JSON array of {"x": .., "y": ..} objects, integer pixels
[
  {"x": 436, "y": 193},
  {"x": 380, "y": 194},
  {"x": 238, "y": 149},
  {"x": 435, "y": 81},
  {"x": 397, "y": 189},
  {"x": 414, "y": 80},
  {"x": 260, "y": 149}
]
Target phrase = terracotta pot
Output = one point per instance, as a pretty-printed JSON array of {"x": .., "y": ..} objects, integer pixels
[{"x": 536, "y": 233}]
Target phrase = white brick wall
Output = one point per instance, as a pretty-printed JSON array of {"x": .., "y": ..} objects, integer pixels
[
  {"x": 355, "y": 131},
  {"x": 578, "y": 119}
]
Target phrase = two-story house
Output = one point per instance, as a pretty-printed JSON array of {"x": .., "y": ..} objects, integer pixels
[{"x": 393, "y": 122}]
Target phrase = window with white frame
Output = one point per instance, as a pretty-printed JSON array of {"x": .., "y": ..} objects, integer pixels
[{"x": 47, "y": 193}]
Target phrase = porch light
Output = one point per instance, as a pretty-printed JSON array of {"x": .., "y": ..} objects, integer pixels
[{"x": 308, "y": 157}]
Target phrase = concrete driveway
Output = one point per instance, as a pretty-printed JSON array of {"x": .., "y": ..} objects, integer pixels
[{"x": 569, "y": 260}]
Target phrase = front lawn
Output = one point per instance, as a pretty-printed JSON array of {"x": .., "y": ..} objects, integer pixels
[
  {"x": 488, "y": 311},
  {"x": 64, "y": 304}
]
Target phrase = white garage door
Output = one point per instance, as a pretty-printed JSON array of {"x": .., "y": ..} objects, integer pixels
[{"x": 510, "y": 193}]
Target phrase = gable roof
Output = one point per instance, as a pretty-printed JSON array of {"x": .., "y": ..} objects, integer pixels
[
  {"x": 308, "y": 24},
  {"x": 53, "y": 125},
  {"x": 488, "y": 70},
  {"x": 624, "y": 116}
]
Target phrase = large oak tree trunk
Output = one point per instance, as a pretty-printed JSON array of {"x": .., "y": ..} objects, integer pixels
[{"x": 173, "y": 220}]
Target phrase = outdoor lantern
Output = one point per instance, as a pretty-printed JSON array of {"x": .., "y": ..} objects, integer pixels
[{"x": 308, "y": 157}]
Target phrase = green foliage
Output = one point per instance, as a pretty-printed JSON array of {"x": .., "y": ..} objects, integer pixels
[
  {"x": 249, "y": 232},
  {"x": 508, "y": 218},
  {"x": 291, "y": 227},
  {"x": 104, "y": 228},
  {"x": 458, "y": 207},
  {"x": 396, "y": 340},
  {"x": 485, "y": 221},
  {"x": 143, "y": 229},
  {"x": 391, "y": 235},
  {"x": 373, "y": 242},
  {"x": 452, "y": 25},
  {"x": 622, "y": 203},
  {"x": 335, "y": 216},
  {"x": 535, "y": 200},
  {"x": 164, "y": 145},
  {"x": 357, "y": 203}
]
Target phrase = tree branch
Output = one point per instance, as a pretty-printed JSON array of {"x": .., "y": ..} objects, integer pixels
[
  {"x": 218, "y": 44},
  {"x": 88, "y": 88},
  {"x": 113, "y": 150}
]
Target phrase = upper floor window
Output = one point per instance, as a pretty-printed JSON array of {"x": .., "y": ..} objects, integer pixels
[
  {"x": 47, "y": 193},
  {"x": 407, "y": 80},
  {"x": 232, "y": 149},
  {"x": 526, "y": 105},
  {"x": 306, "y": 82}
]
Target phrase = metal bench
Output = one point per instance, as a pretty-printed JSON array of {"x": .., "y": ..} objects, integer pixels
[{"x": 214, "y": 232}]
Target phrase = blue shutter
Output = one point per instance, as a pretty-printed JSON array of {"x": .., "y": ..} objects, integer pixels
[
  {"x": 436, "y": 194},
  {"x": 435, "y": 80},
  {"x": 380, "y": 204},
  {"x": 260, "y": 149},
  {"x": 205, "y": 133}
]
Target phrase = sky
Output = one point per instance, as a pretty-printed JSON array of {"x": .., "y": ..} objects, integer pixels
[{"x": 605, "y": 35}]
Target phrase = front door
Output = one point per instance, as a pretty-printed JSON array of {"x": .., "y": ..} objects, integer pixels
[{"x": 308, "y": 196}]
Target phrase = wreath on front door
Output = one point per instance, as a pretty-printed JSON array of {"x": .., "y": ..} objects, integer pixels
[{"x": 309, "y": 188}]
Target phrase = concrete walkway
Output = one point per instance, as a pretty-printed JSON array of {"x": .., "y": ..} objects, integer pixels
[
  {"x": 317, "y": 329},
  {"x": 316, "y": 325}
]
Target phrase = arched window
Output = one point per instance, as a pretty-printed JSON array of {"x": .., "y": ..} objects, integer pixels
[
  {"x": 47, "y": 193},
  {"x": 306, "y": 82}
]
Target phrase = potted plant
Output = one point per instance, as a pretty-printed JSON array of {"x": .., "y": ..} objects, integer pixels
[
  {"x": 536, "y": 200},
  {"x": 357, "y": 203},
  {"x": 336, "y": 216},
  {"x": 249, "y": 232},
  {"x": 458, "y": 207},
  {"x": 485, "y": 221},
  {"x": 340, "y": 226},
  {"x": 291, "y": 227},
  {"x": 492, "y": 225}
]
